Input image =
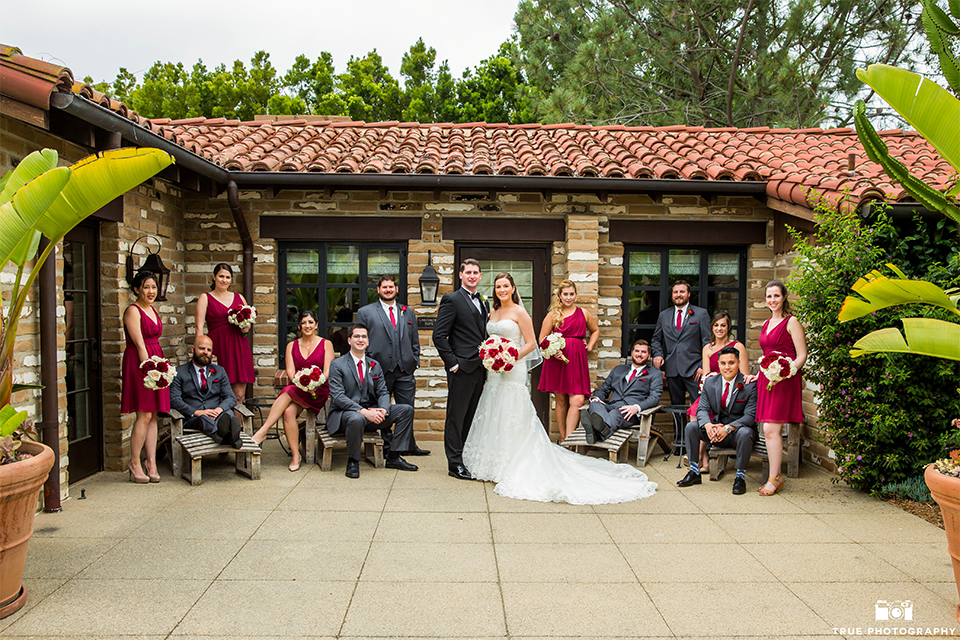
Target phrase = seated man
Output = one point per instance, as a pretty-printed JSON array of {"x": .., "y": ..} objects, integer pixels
[
  {"x": 201, "y": 392},
  {"x": 629, "y": 389},
  {"x": 726, "y": 417},
  {"x": 360, "y": 402}
]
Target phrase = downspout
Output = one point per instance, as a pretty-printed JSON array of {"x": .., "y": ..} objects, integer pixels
[
  {"x": 233, "y": 199},
  {"x": 49, "y": 396}
]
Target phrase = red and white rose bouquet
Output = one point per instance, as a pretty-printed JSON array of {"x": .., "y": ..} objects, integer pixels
[
  {"x": 553, "y": 346},
  {"x": 308, "y": 379},
  {"x": 499, "y": 354},
  {"x": 243, "y": 316},
  {"x": 776, "y": 367},
  {"x": 157, "y": 373}
]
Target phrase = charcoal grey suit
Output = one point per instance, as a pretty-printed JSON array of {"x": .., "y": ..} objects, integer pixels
[
  {"x": 740, "y": 413},
  {"x": 397, "y": 349},
  {"x": 615, "y": 392},
  {"x": 682, "y": 351},
  {"x": 186, "y": 396}
]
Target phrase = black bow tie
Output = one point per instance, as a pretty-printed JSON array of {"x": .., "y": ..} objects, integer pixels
[{"x": 475, "y": 296}]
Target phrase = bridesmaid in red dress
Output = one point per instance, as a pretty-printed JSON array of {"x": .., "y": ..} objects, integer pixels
[
  {"x": 142, "y": 327},
  {"x": 781, "y": 404},
  {"x": 568, "y": 381},
  {"x": 720, "y": 338},
  {"x": 230, "y": 345},
  {"x": 309, "y": 349}
]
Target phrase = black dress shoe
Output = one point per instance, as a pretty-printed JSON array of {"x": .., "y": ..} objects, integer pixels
[
  {"x": 739, "y": 486},
  {"x": 459, "y": 471},
  {"x": 416, "y": 451},
  {"x": 353, "y": 469},
  {"x": 600, "y": 426},
  {"x": 690, "y": 479},
  {"x": 401, "y": 464},
  {"x": 235, "y": 431}
]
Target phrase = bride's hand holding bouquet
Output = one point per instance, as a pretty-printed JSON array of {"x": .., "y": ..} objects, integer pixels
[{"x": 499, "y": 354}]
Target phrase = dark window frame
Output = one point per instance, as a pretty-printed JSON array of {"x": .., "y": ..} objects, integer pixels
[
  {"x": 323, "y": 284},
  {"x": 698, "y": 294}
]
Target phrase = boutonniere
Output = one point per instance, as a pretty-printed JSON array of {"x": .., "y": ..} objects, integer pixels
[
  {"x": 739, "y": 386},
  {"x": 212, "y": 371},
  {"x": 373, "y": 363},
  {"x": 689, "y": 312},
  {"x": 403, "y": 309},
  {"x": 644, "y": 372}
]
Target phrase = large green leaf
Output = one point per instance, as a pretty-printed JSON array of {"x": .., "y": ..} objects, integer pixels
[
  {"x": 880, "y": 292},
  {"x": 929, "y": 108},
  {"x": 924, "y": 337},
  {"x": 10, "y": 419},
  {"x": 19, "y": 216},
  {"x": 29, "y": 168},
  {"x": 96, "y": 181}
]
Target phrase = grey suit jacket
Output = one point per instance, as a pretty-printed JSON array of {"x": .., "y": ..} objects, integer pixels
[
  {"x": 394, "y": 348},
  {"x": 741, "y": 408},
  {"x": 186, "y": 396},
  {"x": 348, "y": 394},
  {"x": 644, "y": 390},
  {"x": 682, "y": 351}
]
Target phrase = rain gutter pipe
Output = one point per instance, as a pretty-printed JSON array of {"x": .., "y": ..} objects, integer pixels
[{"x": 49, "y": 427}]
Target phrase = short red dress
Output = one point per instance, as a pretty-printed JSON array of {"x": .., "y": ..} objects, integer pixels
[
  {"x": 133, "y": 395},
  {"x": 573, "y": 377},
  {"x": 780, "y": 404},
  {"x": 302, "y": 398},
  {"x": 230, "y": 345}
]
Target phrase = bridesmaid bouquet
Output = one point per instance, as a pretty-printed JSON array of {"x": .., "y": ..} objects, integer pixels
[
  {"x": 776, "y": 367},
  {"x": 157, "y": 373},
  {"x": 553, "y": 346},
  {"x": 242, "y": 316},
  {"x": 308, "y": 379},
  {"x": 498, "y": 354}
]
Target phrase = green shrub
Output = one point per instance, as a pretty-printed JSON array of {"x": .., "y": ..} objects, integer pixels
[
  {"x": 885, "y": 416},
  {"x": 911, "y": 489}
]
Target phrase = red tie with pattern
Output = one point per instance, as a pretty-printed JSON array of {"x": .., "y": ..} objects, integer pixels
[
  {"x": 723, "y": 398},
  {"x": 203, "y": 381},
  {"x": 679, "y": 319},
  {"x": 360, "y": 370},
  {"x": 393, "y": 318}
]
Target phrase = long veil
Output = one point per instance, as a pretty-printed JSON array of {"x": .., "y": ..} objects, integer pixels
[{"x": 533, "y": 359}]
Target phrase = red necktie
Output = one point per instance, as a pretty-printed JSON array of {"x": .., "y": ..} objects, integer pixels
[
  {"x": 679, "y": 319},
  {"x": 203, "y": 381},
  {"x": 360, "y": 370},
  {"x": 633, "y": 374},
  {"x": 723, "y": 398},
  {"x": 393, "y": 318}
]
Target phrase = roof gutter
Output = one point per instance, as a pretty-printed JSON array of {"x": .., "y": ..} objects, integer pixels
[
  {"x": 109, "y": 121},
  {"x": 246, "y": 241}
]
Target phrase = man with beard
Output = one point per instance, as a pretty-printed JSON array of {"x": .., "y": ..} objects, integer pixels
[
  {"x": 201, "y": 392},
  {"x": 629, "y": 389},
  {"x": 678, "y": 341}
]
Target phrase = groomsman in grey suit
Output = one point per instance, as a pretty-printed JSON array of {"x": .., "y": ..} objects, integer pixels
[
  {"x": 360, "y": 402},
  {"x": 201, "y": 392},
  {"x": 395, "y": 344},
  {"x": 726, "y": 417},
  {"x": 678, "y": 340},
  {"x": 629, "y": 389}
]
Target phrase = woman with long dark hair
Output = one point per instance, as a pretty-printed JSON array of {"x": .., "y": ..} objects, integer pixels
[{"x": 230, "y": 345}]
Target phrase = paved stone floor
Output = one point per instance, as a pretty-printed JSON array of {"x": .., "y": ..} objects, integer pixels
[{"x": 394, "y": 554}]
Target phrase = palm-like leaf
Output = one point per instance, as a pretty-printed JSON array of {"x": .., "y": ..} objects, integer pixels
[
  {"x": 880, "y": 292},
  {"x": 29, "y": 168},
  {"x": 924, "y": 336},
  {"x": 19, "y": 216}
]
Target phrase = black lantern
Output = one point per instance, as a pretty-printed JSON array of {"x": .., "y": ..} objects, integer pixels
[
  {"x": 429, "y": 283},
  {"x": 154, "y": 265}
]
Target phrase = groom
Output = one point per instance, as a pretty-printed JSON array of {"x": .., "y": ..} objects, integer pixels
[{"x": 460, "y": 328}]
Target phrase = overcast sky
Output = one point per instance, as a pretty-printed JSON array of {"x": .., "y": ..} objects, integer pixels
[{"x": 97, "y": 37}]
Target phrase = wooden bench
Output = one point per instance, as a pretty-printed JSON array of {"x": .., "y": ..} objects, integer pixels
[
  {"x": 617, "y": 445},
  {"x": 194, "y": 445},
  {"x": 791, "y": 436},
  {"x": 326, "y": 444}
]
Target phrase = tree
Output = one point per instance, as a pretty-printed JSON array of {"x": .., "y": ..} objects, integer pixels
[
  {"x": 371, "y": 93},
  {"x": 494, "y": 91},
  {"x": 705, "y": 62}
]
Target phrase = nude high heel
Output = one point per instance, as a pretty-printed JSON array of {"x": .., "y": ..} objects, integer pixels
[{"x": 134, "y": 477}]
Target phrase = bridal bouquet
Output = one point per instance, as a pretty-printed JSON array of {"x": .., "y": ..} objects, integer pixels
[
  {"x": 498, "y": 354},
  {"x": 242, "y": 316},
  {"x": 776, "y": 367},
  {"x": 157, "y": 373},
  {"x": 553, "y": 346},
  {"x": 308, "y": 379}
]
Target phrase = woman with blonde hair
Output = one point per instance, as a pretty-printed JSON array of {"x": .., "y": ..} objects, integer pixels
[{"x": 569, "y": 381}]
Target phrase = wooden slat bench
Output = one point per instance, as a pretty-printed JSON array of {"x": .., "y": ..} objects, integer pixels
[
  {"x": 719, "y": 457},
  {"x": 617, "y": 445},
  {"x": 326, "y": 444},
  {"x": 197, "y": 445}
]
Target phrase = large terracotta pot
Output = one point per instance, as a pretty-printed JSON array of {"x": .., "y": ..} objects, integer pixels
[
  {"x": 19, "y": 487},
  {"x": 946, "y": 491}
]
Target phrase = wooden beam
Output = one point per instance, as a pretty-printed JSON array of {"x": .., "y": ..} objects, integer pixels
[{"x": 790, "y": 209}]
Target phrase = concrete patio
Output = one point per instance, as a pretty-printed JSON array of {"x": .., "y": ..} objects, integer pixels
[{"x": 394, "y": 554}]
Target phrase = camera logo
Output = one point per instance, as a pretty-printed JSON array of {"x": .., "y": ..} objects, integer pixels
[{"x": 894, "y": 610}]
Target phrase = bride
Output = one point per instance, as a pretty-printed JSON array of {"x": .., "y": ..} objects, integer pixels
[{"x": 508, "y": 445}]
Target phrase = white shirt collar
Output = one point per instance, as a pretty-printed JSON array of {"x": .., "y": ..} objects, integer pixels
[
  {"x": 386, "y": 307},
  {"x": 683, "y": 309},
  {"x": 356, "y": 360}
]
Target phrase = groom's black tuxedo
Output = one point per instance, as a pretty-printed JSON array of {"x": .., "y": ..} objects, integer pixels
[{"x": 458, "y": 333}]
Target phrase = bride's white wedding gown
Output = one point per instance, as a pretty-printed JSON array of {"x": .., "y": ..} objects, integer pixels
[{"x": 508, "y": 445}]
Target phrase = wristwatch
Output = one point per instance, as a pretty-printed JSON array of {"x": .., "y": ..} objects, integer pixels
[{"x": 729, "y": 430}]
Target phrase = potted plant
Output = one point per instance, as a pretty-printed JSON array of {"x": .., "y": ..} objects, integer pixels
[
  {"x": 39, "y": 198},
  {"x": 943, "y": 479}
]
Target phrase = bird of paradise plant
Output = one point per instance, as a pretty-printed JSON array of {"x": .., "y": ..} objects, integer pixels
[{"x": 39, "y": 198}]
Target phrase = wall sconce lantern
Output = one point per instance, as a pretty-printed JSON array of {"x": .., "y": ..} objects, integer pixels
[
  {"x": 429, "y": 283},
  {"x": 153, "y": 264}
]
